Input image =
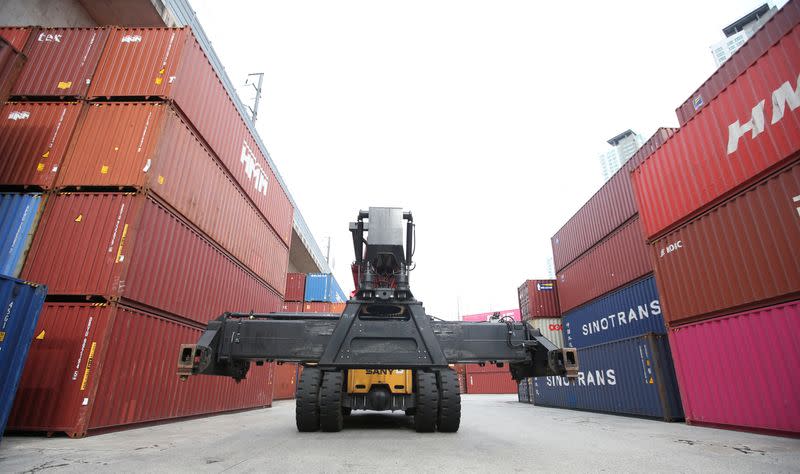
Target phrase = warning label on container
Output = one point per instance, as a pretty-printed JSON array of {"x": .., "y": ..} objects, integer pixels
[{"x": 88, "y": 367}]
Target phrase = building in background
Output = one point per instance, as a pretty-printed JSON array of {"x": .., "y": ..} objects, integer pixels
[
  {"x": 740, "y": 31},
  {"x": 623, "y": 146}
]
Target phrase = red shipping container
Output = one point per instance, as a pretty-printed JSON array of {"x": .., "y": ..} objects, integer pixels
[
  {"x": 292, "y": 306},
  {"x": 148, "y": 145},
  {"x": 285, "y": 381},
  {"x": 770, "y": 33},
  {"x": 130, "y": 246},
  {"x": 724, "y": 378},
  {"x": 61, "y": 62},
  {"x": 11, "y": 63},
  {"x": 16, "y": 36},
  {"x": 295, "y": 287},
  {"x": 317, "y": 307},
  {"x": 477, "y": 369},
  {"x": 619, "y": 259},
  {"x": 744, "y": 133},
  {"x": 99, "y": 366},
  {"x": 741, "y": 254},
  {"x": 33, "y": 141},
  {"x": 610, "y": 207},
  {"x": 499, "y": 381},
  {"x": 338, "y": 308},
  {"x": 538, "y": 299},
  {"x": 169, "y": 63},
  {"x": 485, "y": 317}
]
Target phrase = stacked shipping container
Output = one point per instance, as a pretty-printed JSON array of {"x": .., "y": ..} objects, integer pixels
[
  {"x": 720, "y": 204},
  {"x": 157, "y": 206}
]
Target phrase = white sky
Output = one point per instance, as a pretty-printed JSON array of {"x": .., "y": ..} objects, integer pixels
[{"x": 484, "y": 119}]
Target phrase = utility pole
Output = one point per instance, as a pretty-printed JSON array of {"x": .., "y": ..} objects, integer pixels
[{"x": 257, "y": 87}]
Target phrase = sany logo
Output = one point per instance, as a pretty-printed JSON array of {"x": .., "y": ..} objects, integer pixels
[
  {"x": 253, "y": 169},
  {"x": 671, "y": 248},
  {"x": 131, "y": 39},
  {"x": 49, "y": 38},
  {"x": 555, "y": 327},
  {"x": 781, "y": 96},
  {"x": 19, "y": 115}
]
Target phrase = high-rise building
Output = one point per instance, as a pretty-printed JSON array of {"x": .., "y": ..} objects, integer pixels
[
  {"x": 623, "y": 146},
  {"x": 740, "y": 31}
]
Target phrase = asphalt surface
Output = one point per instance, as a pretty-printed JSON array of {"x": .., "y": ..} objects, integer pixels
[{"x": 497, "y": 434}]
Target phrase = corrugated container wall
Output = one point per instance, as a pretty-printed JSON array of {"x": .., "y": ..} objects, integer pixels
[
  {"x": 323, "y": 287},
  {"x": 724, "y": 382},
  {"x": 769, "y": 34},
  {"x": 551, "y": 328},
  {"x": 499, "y": 381},
  {"x": 104, "y": 366},
  {"x": 481, "y": 317},
  {"x": 292, "y": 306},
  {"x": 34, "y": 137},
  {"x": 285, "y": 381},
  {"x": 19, "y": 216},
  {"x": 61, "y": 62},
  {"x": 317, "y": 307},
  {"x": 719, "y": 150},
  {"x": 20, "y": 304},
  {"x": 631, "y": 376},
  {"x": 538, "y": 299},
  {"x": 16, "y": 36},
  {"x": 609, "y": 208},
  {"x": 295, "y": 287},
  {"x": 11, "y": 63},
  {"x": 619, "y": 259},
  {"x": 131, "y": 246},
  {"x": 741, "y": 254},
  {"x": 169, "y": 63},
  {"x": 630, "y": 311},
  {"x": 148, "y": 145}
]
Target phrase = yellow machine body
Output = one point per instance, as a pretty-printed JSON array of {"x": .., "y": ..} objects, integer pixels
[{"x": 399, "y": 381}]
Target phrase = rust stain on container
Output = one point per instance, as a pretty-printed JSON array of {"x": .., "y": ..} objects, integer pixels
[
  {"x": 34, "y": 137},
  {"x": 106, "y": 366}
]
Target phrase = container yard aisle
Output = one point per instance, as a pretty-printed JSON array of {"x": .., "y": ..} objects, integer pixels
[{"x": 266, "y": 440}]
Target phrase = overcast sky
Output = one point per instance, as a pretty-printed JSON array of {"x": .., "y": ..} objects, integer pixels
[{"x": 484, "y": 118}]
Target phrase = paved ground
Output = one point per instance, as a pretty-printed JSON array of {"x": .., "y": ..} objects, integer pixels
[{"x": 497, "y": 435}]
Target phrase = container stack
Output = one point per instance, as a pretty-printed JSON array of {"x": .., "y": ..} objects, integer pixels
[
  {"x": 156, "y": 212},
  {"x": 720, "y": 206},
  {"x": 488, "y": 378},
  {"x": 323, "y": 288},
  {"x": 538, "y": 305}
]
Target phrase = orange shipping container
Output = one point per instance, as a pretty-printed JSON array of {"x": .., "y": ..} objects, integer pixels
[
  {"x": 317, "y": 307},
  {"x": 285, "y": 381}
]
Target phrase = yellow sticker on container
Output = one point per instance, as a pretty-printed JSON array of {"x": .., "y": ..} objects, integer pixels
[
  {"x": 160, "y": 179},
  {"x": 40, "y": 337},
  {"x": 89, "y": 361},
  {"x": 104, "y": 169},
  {"x": 159, "y": 80},
  {"x": 2, "y": 336},
  {"x": 64, "y": 85},
  {"x": 121, "y": 243},
  {"x": 40, "y": 167},
  {"x": 79, "y": 218},
  {"x": 46, "y": 154},
  {"x": 651, "y": 380},
  {"x": 162, "y": 70}
]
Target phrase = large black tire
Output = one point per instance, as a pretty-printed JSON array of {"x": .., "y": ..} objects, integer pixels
[
  {"x": 330, "y": 402},
  {"x": 307, "y": 400},
  {"x": 427, "y": 402},
  {"x": 449, "y": 402}
]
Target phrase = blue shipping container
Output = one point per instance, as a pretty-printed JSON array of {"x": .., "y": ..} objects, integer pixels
[
  {"x": 20, "y": 303},
  {"x": 19, "y": 214},
  {"x": 323, "y": 287},
  {"x": 633, "y": 376},
  {"x": 630, "y": 311}
]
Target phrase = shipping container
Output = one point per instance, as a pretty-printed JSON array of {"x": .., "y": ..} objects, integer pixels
[
  {"x": 292, "y": 307},
  {"x": 20, "y": 303},
  {"x": 295, "y": 287},
  {"x": 770, "y": 33},
  {"x": 631, "y": 376},
  {"x": 149, "y": 146},
  {"x": 132, "y": 247},
  {"x": 551, "y": 328},
  {"x": 34, "y": 137},
  {"x": 324, "y": 288},
  {"x": 538, "y": 299},
  {"x": 719, "y": 151},
  {"x": 16, "y": 36},
  {"x": 725, "y": 381},
  {"x": 490, "y": 316},
  {"x": 523, "y": 391},
  {"x": 11, "y": 63},
  {"x": 630, "y": 311},
  {"x": 487, "y": 367},
  {"x": 317, "y": 307},
  {"x": 285, "y": 381},
  {"x": 61, "y": 62},
  {"x": 19, "y": 217},
  {"x": 101, "y": 366},
  {"x": 499, "y": 381},
  {"x": 610, "y": 207},
  {"x": 338, "y": 308},
  {"x": 617, "y": 260},
  {"x": 743, "y": 253},
  {"x": 169, "y": 63}
]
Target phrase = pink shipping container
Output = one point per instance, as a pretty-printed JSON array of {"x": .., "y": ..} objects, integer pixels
[
  {"x": 538, "y": 299},
  {"x": 130, "y": 246},
  {"x": 610, "y": 207},
  {"x": 101, "y": 366},
  {"x": 34, "y": 137},
  {"x": 499, "y": 381},
  {"x": 148, "y": 145},
  {"x": 61, "y": 62},
  {"x": 295, "y": 287},
  {"x": 770, "y": 33},
  {"x": 747, "y": 131},
  {"x": 169, "y": 63},
  {"x": 619, "y": 259},
  {"x": 725, "y": 379},
  {"x": 483, "y": 317},
  {"x": 16, "y": 36},
  {"x": 743, "y": 253}
]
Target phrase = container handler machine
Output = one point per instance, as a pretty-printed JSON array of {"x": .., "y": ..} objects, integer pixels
[{"x": 383, "y": 352}]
